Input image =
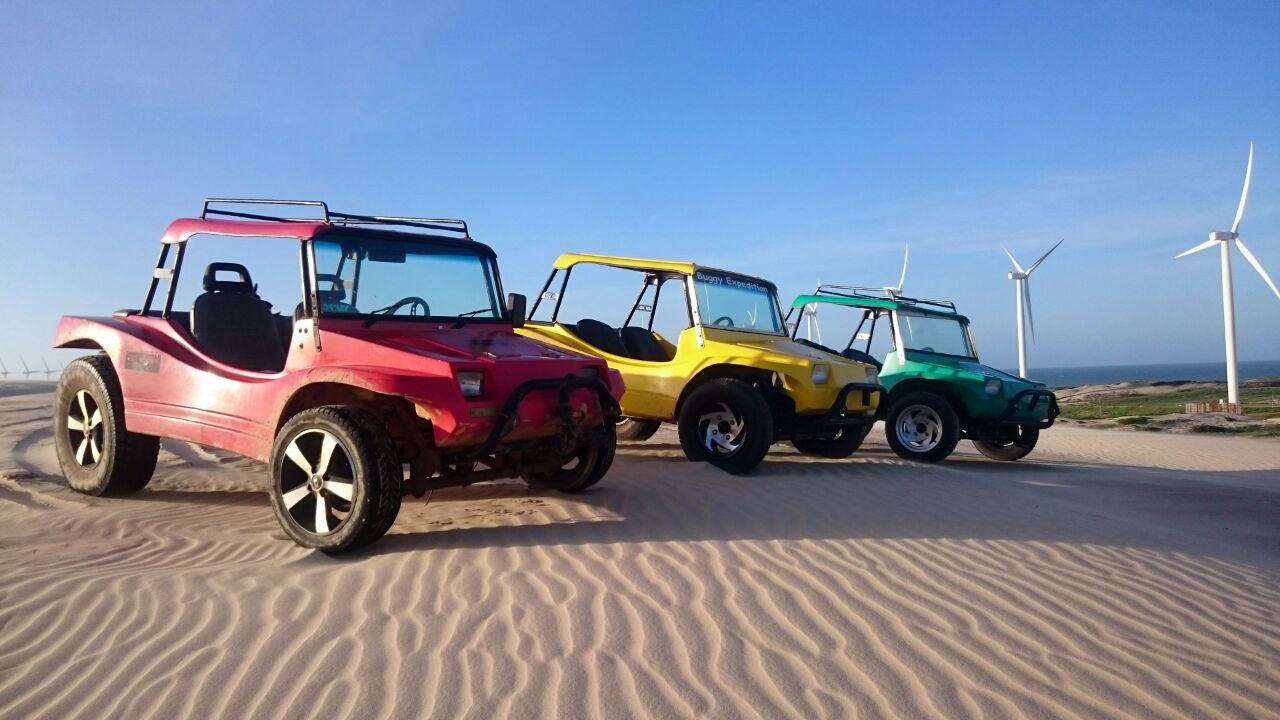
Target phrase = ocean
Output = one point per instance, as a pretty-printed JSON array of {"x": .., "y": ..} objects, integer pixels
[{"x": 1103, "y": 374}]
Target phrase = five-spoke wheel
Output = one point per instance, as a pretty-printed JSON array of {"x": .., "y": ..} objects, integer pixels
[
  {"x": 97, "y": 454},
  {"x": 338, "y": 481}
]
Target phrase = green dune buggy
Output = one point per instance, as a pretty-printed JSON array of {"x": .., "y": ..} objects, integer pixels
[{"x": 939, "y": 392}]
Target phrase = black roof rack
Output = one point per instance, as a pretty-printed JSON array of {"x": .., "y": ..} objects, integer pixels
[
  {"x": 331, "y": 217},
  {"x": 874, "y": 293}
]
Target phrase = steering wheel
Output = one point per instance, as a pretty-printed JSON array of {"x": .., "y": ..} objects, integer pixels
[
  {"x": 411, "y": 300},
  {"x": 724, "y": 321}
]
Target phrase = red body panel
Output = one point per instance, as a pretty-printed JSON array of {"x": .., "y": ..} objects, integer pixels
[{"x": 172, "y": 389}]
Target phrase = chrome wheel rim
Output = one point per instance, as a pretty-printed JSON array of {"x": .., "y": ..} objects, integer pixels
[
  {"x": 919, "y": 428},
  {"x": 317, "y": 482},
  {"x": 722, "y": 431},
  {"x": 85, "y": 429}
]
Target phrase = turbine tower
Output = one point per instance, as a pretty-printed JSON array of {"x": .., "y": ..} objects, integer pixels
[
  {"x": 1022, "y": 298},
  {"x": 1223, "y": 240}
]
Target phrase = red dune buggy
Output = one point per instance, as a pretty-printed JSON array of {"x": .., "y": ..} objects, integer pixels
[{"x": 398, "y": 372}]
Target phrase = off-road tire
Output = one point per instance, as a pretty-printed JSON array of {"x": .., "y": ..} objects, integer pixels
[
  {"x": 637, "y": 429},
  {"x": 377, "y": 477},
  {"x": 1015, "y": 450},
  {"x": 126, "y": 460},
  {"x": 943, "y": 438},
  {"x": 847, "y": 440},
  {"x": 746, "y": 405},
  {"x": 590, "y": 463}
]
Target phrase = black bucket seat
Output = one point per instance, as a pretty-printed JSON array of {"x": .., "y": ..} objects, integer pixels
[{"x": 233, "y": 325}]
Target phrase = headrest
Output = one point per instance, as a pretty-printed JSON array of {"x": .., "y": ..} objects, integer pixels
[
  {"x": 337, "y": 291},
  {"x": 212, "y": 284}
]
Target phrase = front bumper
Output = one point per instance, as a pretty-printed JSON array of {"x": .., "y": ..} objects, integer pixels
[
  {"x": 507, "y": 416},
  {"x": 838, "y": 414},
  {"x": 1033, "y": 396}
]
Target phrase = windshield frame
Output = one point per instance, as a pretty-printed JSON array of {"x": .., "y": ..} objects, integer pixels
[
  {"x": 484, "y": 253},
  {"x": 696, "y": 308},
  {"x": 901, "y": 344}
]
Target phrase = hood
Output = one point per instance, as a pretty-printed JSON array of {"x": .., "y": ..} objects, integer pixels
[
  {"x": 471, "y": 343},
  {"x": 777, "y": 344}
]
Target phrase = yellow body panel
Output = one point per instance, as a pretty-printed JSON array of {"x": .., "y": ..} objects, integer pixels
[{"x": 653, "y": 388}]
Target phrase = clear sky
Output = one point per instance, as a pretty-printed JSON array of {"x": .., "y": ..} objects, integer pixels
[{"x": 796, "y": 143}]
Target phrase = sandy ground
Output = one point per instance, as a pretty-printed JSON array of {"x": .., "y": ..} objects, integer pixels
[{"x": 1109, "y": 575}]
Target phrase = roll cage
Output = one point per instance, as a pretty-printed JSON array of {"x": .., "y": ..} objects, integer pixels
[
  {"x": 874, "y": 303},
  {"x": 655, "y": 273},
  {"x": 215, "y": 220}
]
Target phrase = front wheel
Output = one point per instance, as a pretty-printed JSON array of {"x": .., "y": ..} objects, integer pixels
[
  {"x": 922, "y": 426},
  {"x": 843, "y": 442},
  {"x": 1015, "y": 448},
  {"x": 337, "y": 481},
  {"x": 585, "y": 467},
  {"x": 727, "y": 423}
]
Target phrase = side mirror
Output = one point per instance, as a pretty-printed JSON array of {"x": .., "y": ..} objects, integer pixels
[{"x": 516, "y": 309}]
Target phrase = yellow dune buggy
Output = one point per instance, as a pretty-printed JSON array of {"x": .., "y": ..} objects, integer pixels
[{"x": 730, "y": 377}]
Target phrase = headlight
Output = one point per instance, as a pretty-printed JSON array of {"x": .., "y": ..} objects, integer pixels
[
  {"x": 994, "y": 385},
  {"x": 591, "y": 372},
  {"x": 819, "y": 374},
  {"x": 872, "y": 375},
  {"x": 471, "y": 383}
]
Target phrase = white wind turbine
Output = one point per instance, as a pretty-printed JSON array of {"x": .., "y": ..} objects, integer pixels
[
  {"x": 1223, "y": 240},
  {"x": 1022, "y": 297},
  {"x": 4, "y": 371},
  {"x": 26, "y": 371}
]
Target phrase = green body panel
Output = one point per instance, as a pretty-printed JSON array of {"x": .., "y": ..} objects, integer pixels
[{"x": 966, "y": 381}]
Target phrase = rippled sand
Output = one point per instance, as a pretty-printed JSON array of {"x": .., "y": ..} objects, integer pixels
[{"x": 1110, "y": 575}]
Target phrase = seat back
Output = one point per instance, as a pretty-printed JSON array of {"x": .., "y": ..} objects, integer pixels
[
  {"x": 642, "y": 345},
  {"x": 233, "y": 325},
  {"x": 600, "y": 335}
]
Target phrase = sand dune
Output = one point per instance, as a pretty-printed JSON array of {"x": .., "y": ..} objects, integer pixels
[{"x": 1110, "y": 575}]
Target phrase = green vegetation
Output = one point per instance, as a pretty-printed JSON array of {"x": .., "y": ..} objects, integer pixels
[{"x": 1260, "y": 399}]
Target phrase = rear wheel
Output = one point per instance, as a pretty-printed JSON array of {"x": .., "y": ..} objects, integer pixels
[
  {"x": 1014, "y": 448},
  {"x": 922, "y": 426},
  {"x": 98, "y": 456},
  {"x": 585, "y": 467},
  {"x": 337, "y": 481},
  {"x": 840, "y": 443},
  {"x": 727, "y": 423},
  {"x": 637, "y": 429}
]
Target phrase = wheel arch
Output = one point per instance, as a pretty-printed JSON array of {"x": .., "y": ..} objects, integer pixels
[
  {"x": 744, "y": 373},
  {"x": 936, "y": 387}
]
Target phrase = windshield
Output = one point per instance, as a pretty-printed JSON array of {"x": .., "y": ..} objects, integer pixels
[
  {"x": 726, "y": 300},
  {"x": 930, "y": 333},
  {"x": 367, "y": 275}
]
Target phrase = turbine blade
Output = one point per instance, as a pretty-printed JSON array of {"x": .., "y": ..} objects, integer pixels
[
  {"x": 1244, "y": 250},
  {"x": 906, "y": 255},
  {"x": 1036, "y": 264},
  {"x": 1202, "y": 246},
  {"x": 1016, "y": 266},
  {"x": 1026, "y": 301},
  {"x": 1244, "y": 194}
]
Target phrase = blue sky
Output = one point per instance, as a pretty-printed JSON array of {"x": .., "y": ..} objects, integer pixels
[{"x": 797, "y": 144}]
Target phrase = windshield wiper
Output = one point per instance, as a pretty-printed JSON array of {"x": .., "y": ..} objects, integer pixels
[
  {"x": 459, "y": 323},
  {"x": 377, "y": 315}
]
